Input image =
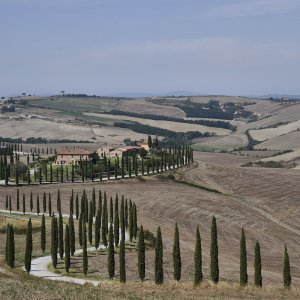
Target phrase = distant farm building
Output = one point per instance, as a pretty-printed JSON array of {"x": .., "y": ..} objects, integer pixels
[{"x": 74, "y": 155}]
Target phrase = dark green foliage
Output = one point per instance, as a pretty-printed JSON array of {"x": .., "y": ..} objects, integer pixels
[
  {"x": 103, "y": 227},
  {"x": 28, "y": 247},
  {"x": 97, "y": 229},
  {"x": 198, "y": 259},
  {"x": 111, "y": 253},
  {"x": 60, "y": 236},
  {"x": 257, "y": 266},
  {"x": 72, "y": 235},
  {"x": 18, "y": 199},
  {"x": 9, "y": 204},
  {"x": 130, "y": 223},
  {"x": 111, "y": 211},
  {"x": 54, "y": 240},
  {"x": 84, "y": 253},
  {"x": 122, "y": 262},
  {"x": 94, "y": 202},
  {"x": 243, "y": 260},
  {"x": 38, "y": 205},
  {"x": 214, "y": 255},
  {"x": 176, "y": 255},
  {"x": 67, "y": 249},
  {"x": 49, "y": 205},
  {"x": 122, "y": 220},
  {"x": 287, "y": 279},
  {"x": 126, "y": 213},
  {"x": 6, "y": 202},
  {"x": 72, "y": 203},
  {"x": 90, "y": 228},
  {"x": 43, "y": 234},
  {"x": 159, "y": 273},
  {"x": 77, "y": 207},
  {"x": 80, "y": 228},
  {"x": 134, "y": 221},
  {"x": 58, "y": 202},
  {"x": 44, "y": 202},
  {"x": 141, "y": 254},
  {"x": 10, "y": 246},
  {"x": 117, "y": 223}
]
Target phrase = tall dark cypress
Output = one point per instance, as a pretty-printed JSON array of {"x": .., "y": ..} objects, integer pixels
[
  {"x": 122, "y": 262},
  {"x": 111, "y": 253},
  {"x": 159, "y": 273},
  {"x": 141, "y": 254},
  {"x": 9, "y": 204},
  {"x": 97, "y": 229},
  {"x": 176, "y": 255},
  {"x": 61, "y": 236},
  {"x": 44, "y": 202},
  {"x": 257, "y": 266},
  {"x": 130, "y": 223},
  {"x": 67, "y": 249},
  {"x": 58, "y": 202},
  {"x": 43, "y": 234},
  {"x": 54, "y": 241},
  {"x": 287, "y": 279},
  {"x": 90, "y": 228},
  {"x": 84, "y": 247},
  {"x": 198, "y": 259},
  {"x": 49, "y": 205},
  {"x": 111, "y": 211},
  {"x": 126, "y": 213},
  {"x": 72, "y": 203},
  {"x": 72, "y": 235},
  {"x": 10, "y": 246},
  {"x": 134, "y": 223},
  {"x": 6, "y": 202},
  {"x": 80, "y": 228},
  {"x": 117, "y": 223},
  {"x": 214, "y": 255},
  {"x": 77, "y": 207},
  {"x": 103, "y": 227},
  {"x": 122, "y": 220},
  {"x": 7, "y": 250},
  {"x": 28, "y": 247},
  {"x": 94, "y": 202},
  {"x": 243, "y": 260}
]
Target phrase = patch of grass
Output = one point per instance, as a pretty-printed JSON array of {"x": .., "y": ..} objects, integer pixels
[{"x": 20, "y": 226}]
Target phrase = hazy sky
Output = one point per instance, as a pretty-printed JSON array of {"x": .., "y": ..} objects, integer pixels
[{"x": 111, "y": 46}]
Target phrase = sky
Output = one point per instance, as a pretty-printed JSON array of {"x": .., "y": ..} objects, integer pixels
[{"x": 103, "y": 47}]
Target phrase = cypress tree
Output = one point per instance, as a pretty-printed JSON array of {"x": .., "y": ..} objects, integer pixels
[
  {"x": 111, "y": 253},
  {"x": 122, "y": 262},
  {"x": 77, "y": 207},
  {"x": 287, "y": 279},
  {"x": 159, "y": 273},
  {"x": 130, "y": 223},
  {"x": 176, "y": 255},
  {"x": 80, "y": 228},
  {"x": 94, "y": 202},
  {"x": 111, "y": 211},
  {"x": 126, "y": 213},
  {"x": 38, "y": 205},
  {"x": 243, "y": 260},
  {"x": 214, "y": 259},
  {"x": 31, "y": 201},
  {"x": 49, "y": 205},
  {"x": 72, "y": 203},
  {"x": 44, "y": 202},
  {"x": 141, "y": 254},
  {"x": 117, "y": 223},
  {"x": 61, "y": 236},
  {"x": 18, "y": 199},
  {"x": 7, "y": 250},
  {"x": 58, "y": 202},
  {"x": 24, "y": 204},
  {"x": 6, "y": 202},
  {"x": 122, "y": 220},
  {"x": 28, "y": 247},
  {"x": 12, "y": 247},
  {"x": 134, "y": 223},
  {"x": 103, "y": 227},
  {"x": 71, "y": 235},
  {"x": 10, "y": 207},
  {"x": 84, "y": 253},
  {"x": 43, "y": 234},
  {"x": 90, "y": 228},
  {"x": 54, "y": 241},
  {"x": 198, "y": 259},
  {"x": 97, "y": 229},
  {"x": 257, "y": 266},
  {"x": 67, "y": 249}
]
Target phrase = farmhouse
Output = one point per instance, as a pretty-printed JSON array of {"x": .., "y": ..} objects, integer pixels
[
  {"x": 72, "y": 155},
  {"x": 124, "y": 151}
]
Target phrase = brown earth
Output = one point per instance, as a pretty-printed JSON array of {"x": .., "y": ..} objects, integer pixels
[{"x": 263, "y": 201}]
